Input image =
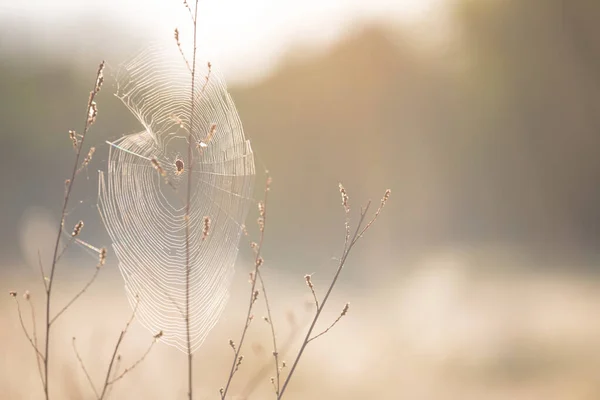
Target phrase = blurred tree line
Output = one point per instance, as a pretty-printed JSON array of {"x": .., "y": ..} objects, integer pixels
[{"x": 488, "y": 140}]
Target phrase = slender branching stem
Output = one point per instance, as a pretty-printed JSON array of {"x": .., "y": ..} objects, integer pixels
[
  {"x": 88, "y": 122},
  {"x": 85, "y": 371},
  {"x": 348, "y": 245},
  {"x": 188, "y": 203},
  {"x": 257, "y": 264},
  {"x": 273, "y": 336},
  {"x": 82, "y": 291}
]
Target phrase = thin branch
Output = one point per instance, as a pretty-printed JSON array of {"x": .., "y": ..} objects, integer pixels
[
  {"x": 257, "y": 263},
  {"x": 188, "y": 204},
  {"x": 344, "y": 312},
  {"x": 275, "y": 351},
  {"x": 115, "y": 351},
  {"x": 90, "y": 118},
  {"x": 135, "y": 364},
  {"x": 42, "y": 270},
  {"x": 38, "y": 356},
  {"x": 82, "y": 291},
  {"x": 348, "y": 245},
  {"x": 310, "y": 284},
  {"x": 38, "y": 352},
  {"x": 85, "y": 371}
]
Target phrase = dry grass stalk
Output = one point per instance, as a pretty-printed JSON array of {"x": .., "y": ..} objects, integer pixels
[
  {"x": 349, "y": 243},
  {"x": 258, "y": 261},
  {"x": 111, "y": 374},
  {"x": 194, "y": 16},
  {"x": 48, "y": 281}
]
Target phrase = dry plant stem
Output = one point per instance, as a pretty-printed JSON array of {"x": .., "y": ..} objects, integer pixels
[
  {"x": 251, "y": 301},
  {"x": 273, "y": 336},
  {"x": 88, "y": 122},
  {"x": 85, "y": 371},
  {"x": 348, "y": 245},
  {"x": 74, "y": 299},
  {"x": 42, "y": 271},
  {"x": 38, "y": 357},
  {"x": 33, "y": 342},
  {"x": 135, "y": 364},
  {"x": 187, "y": 205},
  {"x": 115, "y": 351}
]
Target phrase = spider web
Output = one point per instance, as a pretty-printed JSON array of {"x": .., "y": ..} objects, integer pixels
[{"x": 142, "y": 206}]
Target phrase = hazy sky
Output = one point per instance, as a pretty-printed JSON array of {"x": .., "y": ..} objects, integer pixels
[{"x": 243, "y": 37}]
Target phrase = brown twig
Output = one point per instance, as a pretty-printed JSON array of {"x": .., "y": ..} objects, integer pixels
[
  {"x": 188, "y": 200},
  {"x": 257, "y": 263},
  {"x": 42, "y": 271},
  {"x": 31, "y": 342},
  {"x": 90, "y": 118},
  {"x": 349, "y": 243},
  {"x": 138, "y": 362},
  {"x": 116, "y": 350},
  {"x": 273, "y": 336},
  {"x": 85, "y": 371},
  {"x": 82, "y": 291},
  {"x": 344, "y": 312}
]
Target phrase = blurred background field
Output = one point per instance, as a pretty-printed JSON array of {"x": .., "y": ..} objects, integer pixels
[{"x": 481, "y": 279}]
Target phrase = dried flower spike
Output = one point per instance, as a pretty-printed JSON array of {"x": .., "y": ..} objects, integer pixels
[
  {"x": 93, "y": 113},
  {"x": 77, "y": 229},
  {"x": 157, "y": 167},
  {"x": 205, "y": 227},
  {"x": 100, "y": 77},
  {"x": 345, "y": 198},
  {"x": 73, "y": 137},
  {"x": 102, "y": 257},
  {"x": 88, "y": 158}
]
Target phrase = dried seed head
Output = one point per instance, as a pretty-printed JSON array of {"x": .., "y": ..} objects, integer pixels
[
  {"x": 93, "y": 112},
  {"x": 100, "y": 77},
  {"x": 157, "y": 167},
  {"x": 232, "y": 344},
  {"x": 88, "y": 158},
  {"x": 73, "y": 137},
  {"x": 269, "y": 181},
  {"x": 102, "y": 257},
  {"x": 221, "y": 390},
  {"x": 261, "y": 223},
  {"x": 26, "y": 295},
  {"x": 239, "y": 362},
  {"x": 345, "y": 198},
  {"x": 176, "y": 36},
  {"x": 12, "y": 293},
  {"x": 283, "y": 364},
  {"x": 251, "y": 277},
  {"x": 77, "y": 229},
  {"x": 308, "y": 281},
  {"x": 254, "y": 296},
  {"x": 244, "y": 230},
  {"x": 259, "y": 262},
  {"x": 205, "y": 227},
  {"x": 261, "y": 208},
  {"x": 158, "y": 335},
  {"x": 345, "y": 309},
  {"x": 266, "y": 319},
  {"x": 386, "y": 196}
]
